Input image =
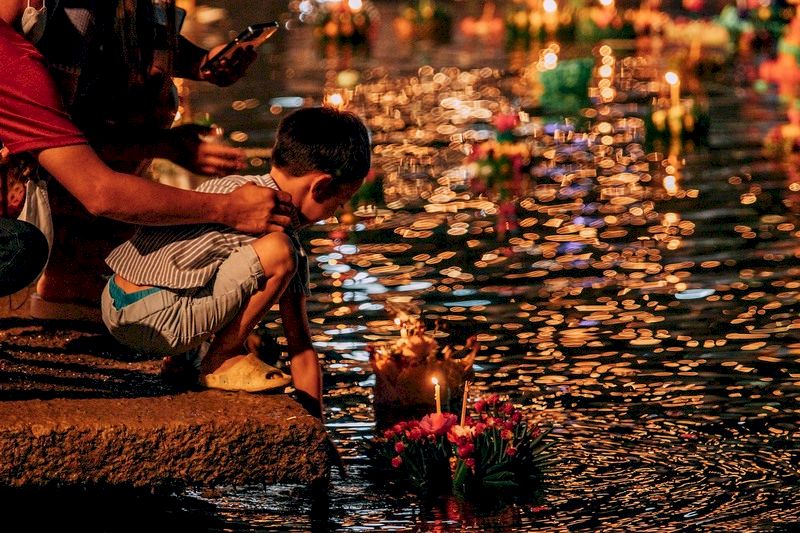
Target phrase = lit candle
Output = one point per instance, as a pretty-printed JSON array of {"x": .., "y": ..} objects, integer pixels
[
  {"x": 550, "y": 17},
  {"x": 437, "y": 395},
  {"x": 674, "y": 88},
  {"x": 335, "y": 100},
  {"x": 464, "y": 403}
]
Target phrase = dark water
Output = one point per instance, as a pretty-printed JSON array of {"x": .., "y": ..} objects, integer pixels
[{"x": 652, "y": 322}]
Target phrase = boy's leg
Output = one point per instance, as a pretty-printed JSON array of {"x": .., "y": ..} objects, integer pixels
[{"x": 277, "y": 257}]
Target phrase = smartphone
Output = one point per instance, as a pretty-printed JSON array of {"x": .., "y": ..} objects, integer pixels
[{"x": 254, "y": 36}]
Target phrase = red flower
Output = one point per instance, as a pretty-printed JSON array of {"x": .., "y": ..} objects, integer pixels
[
  {"x": 399, "y": 446},
  {"x": 516, "y": 417},
  {"x": 480, "y": 405},
  {"x": 505, "y": 434},
  {"x": 397, "y": 461},
  {"x": 508, "y": 424},
  {"x": 470, "y": 462},
  {"x": 491, "y": 422},
  {"x": 511, "y": 451},
  {"x": 507, "y": 408},
  {"x": 437, "y": 423},
  {"x": 506, "y": 121},
  {"x": 466, "y": 450},
  {"x": 414, "y": 434},
  {"x": 388, "y": 434},
  {"x": 493, "y": 399},
  {"x": 480, "y": 427}
]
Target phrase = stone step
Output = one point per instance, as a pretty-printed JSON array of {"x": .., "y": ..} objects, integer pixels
[{"x": 76, "y": 409}]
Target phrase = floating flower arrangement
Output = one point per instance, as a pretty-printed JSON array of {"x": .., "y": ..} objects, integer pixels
[
  {"x": 405, "y": 370},
  {"x": 677, "y": 117},
  {"x": 602, "y": 21},
  {"x": 424, "y": 19},
  {"x": 347, "y": 22},
  {"x": 490, "y": 450}
]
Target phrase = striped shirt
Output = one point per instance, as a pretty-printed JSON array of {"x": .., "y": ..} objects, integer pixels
[{"x": 188, "y": 256}]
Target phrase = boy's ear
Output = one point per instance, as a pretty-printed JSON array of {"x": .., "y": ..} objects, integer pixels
[{"x": 321, "y": 188}]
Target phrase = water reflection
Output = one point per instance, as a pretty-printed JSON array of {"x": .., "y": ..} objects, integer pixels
[{"x": 643, "y": 301}]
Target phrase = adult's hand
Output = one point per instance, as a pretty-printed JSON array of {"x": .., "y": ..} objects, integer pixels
[
  {"x": 258, "y": 210},
  {"x": 185, "y": 146},
  {"x": 227, "y": 71}
]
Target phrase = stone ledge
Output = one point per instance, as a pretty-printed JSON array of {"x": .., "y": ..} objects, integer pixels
[
  {"x": 78, "y": 409},
  {"x": 205, "y": 438}
]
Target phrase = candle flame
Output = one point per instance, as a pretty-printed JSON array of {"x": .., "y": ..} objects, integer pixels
[
  {"x": 671, "y": 78},
  {"x": 549, "y": 6},
  {"x": 335, "y": 100},
  {"x": 435, "y": 381},
  {"x": 355, "y": 5},
  {"x": 606, "y": 3}
]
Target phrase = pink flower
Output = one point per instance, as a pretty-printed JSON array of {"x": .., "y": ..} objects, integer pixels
[
  {"x": 506, "y": 121},
  {"x": 414, "y": 434},
  {"x": 511, "y": 451},
  {"x": 437, "y": 423},
  {"x": 466, "y": 450},
  {"x": 397, "y": 461},
  {"x": 480, "y": 427},
  {"x": 399, "y": 446},
  {"x": 516, "y": 417}
]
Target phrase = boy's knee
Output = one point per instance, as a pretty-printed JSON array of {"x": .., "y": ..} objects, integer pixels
[{"x": 277, "y": 254}]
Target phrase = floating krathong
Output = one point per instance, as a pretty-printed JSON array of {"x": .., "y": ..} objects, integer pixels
[{"x": 404, "y": 369}]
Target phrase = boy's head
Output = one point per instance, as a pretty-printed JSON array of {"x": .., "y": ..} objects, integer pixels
[{"x": 330, "y": 150}]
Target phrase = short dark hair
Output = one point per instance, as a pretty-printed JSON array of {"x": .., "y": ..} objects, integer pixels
[{"x": 323, "y": 139}]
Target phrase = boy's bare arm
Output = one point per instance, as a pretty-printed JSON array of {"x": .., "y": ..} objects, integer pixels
[{"x": 306, "y": 371}]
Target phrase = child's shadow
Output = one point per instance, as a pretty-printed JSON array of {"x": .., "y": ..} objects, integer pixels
[{"x": 42, "y": 359}]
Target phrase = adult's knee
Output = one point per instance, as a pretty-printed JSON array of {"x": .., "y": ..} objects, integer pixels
[
  {"x": 23, "y": 255},
  {"x": 277, "y": 255}
]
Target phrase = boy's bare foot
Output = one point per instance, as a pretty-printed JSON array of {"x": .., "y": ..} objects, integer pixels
[{"x": 245, "y": 373}]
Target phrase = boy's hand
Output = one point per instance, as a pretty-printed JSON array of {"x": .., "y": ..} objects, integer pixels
[
  {"x": 258, "y": 210},
  {"x": 335, "y": 458}
]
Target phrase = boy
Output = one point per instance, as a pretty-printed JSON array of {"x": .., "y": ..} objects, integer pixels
[{"x": 205, "y": 287}]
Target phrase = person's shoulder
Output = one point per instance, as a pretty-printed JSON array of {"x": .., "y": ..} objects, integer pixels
[{"x": 13, "y": 45}]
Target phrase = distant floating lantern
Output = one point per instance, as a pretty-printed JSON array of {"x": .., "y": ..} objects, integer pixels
[
  {"x": 425, "y": 20},
  {"x": 346, "y": 22},
  {"x": 414, "y": 376}
]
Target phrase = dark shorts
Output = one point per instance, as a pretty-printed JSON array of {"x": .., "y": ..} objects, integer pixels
[{"x": 23, "y": 255}]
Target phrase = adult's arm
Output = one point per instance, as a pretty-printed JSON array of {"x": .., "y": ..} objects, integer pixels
[
  {"x": 32, "y": 119},
  {"x": 128, "y": 198}
]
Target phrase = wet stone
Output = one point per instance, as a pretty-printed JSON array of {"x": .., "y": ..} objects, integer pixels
[{"x": 75, "y": 411}]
